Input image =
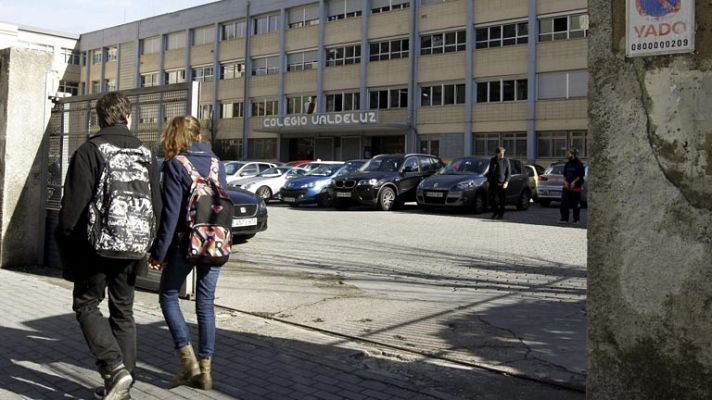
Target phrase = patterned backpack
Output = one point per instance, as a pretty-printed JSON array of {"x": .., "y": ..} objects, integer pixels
[
  {"x": 121, "y": 219},
  {"x": 208, "y": 218}
]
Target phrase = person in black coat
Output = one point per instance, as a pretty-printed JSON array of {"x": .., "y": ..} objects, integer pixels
[
  {"x": 498, "y": 175},
  {"x": 112, "y": 341},
  {"x": 574, "y": 173}
]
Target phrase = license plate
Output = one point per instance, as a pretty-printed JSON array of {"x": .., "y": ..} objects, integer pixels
[
  {"x": 237, "y": 222},
  {"x": 343, "y": 194},
  {"x": 288, "y": 199},
  {"x": 434, "y": 194}
]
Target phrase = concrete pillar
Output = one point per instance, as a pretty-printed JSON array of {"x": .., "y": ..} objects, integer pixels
[
  {"x": 650, "y": 215},
  {"x": 23, "y": 167}
]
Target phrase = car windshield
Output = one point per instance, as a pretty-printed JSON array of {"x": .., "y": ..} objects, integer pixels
[
  {"x": 382, "y": 164},
  {"x": 556, "y": 169},
  {"x": 272, "y": 171},
  {"x": 348, "y": 169},
  {"x": 231, "y": 168},
  {"x": 324, "y": 170},
  {"x": 466, "y": 166}
]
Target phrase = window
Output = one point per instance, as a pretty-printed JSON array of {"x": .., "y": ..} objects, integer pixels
[
  {"x": 203, "y": 74},
  {"x": 265, "y": 66},
  {"x": 69, "y": 87},
  {"x": 148, "y": 114},
  {"x": 95, "y": 86},
  {"x": 563, "y": 27},
  {"x": 379, "y": 6},
  {"x": 562, "y": 85},
  {"x": 151, "y": 45},
  {"x": 434, "y": 1},
  {"x": 46, "y": 48},
  {"x": 232, "y": 109},
  {"x": 264, "y": 107},
  {"x": 555, "y": 144},
  {"x": 338, "y": 102},
  {"x": 175, "y": 40},
  {"x": 429, "y": 146},
  {"x": 266, "y": 24},
  {"x": 203, "y": 35},
  {"x": 502, "y": 90},
  {"x": 442, "y": 95},
  {"x": 97, "y": 56},
  {"x": 388, "y": 98},
  {"x": 302, "y": 61},
  {"x": 110, "y": 85},
  {"x": 175, "y": 76},
  {"x": 303, "y": 16},
  {"x": 112, "y": 54},
  {"x": 70, "y": 56},
  {"x": 390, "y": 49},
  {"x": 150, "y": 79},
  {"x": 300, "y": 104},
  {"x": 341, "y": 9},
  {"x": 515, "y": 143},
  {"x": 343, "y": 55},
  {"x": 232, "y": 70},
  {"x": 233, "y": 30},
  {"x": 205, "y": 111},
  {"x": 443, "y": 42},
  {"x": 262, "y": 149},
  {"x": 502, "y": 35},
  {"x": 411, "y": 164}
]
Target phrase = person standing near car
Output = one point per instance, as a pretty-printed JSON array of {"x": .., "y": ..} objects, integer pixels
[
  {"x": 181, "y": 137},
  {"x": 573, "y": 173},
  {"x": 498, "y": 176}
]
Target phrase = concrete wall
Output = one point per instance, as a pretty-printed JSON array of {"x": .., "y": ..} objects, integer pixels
[
  {"x": 650, "y": 216},
  {"x": 24, "y": 111}
]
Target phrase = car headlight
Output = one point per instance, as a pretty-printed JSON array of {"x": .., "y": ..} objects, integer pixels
[
  {"x": 466, "y": 185},
  {"x": 371, "y": 182}
]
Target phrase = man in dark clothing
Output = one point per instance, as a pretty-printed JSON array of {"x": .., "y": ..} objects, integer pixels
[
  {"x": 574, "y": 173},
  {"x": 498, "y": 176},
  {"x": 112, "y": 341}
]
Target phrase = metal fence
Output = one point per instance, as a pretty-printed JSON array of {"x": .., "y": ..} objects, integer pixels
[{"x": 74, "y": 119}]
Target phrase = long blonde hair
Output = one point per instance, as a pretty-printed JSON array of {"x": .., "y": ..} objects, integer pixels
[{"x": 179, "y": 134}]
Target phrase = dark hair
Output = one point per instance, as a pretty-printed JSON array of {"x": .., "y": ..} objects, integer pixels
[
  {"x": 573, "y": 151},
  {"x": 499, "y": 150},
  {"x": 113, "y": 108}
]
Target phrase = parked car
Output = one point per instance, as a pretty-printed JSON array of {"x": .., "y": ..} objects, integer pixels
[
  {"x": 386, "y": 181},
  {"x": 551, "y": 184},
  {"x": 297, "y": 163},
  {"x": 241, "y": 169},
  {"x": 463, "y": 183},
  {"x": 534, "y": 170},
  {"x": 316, "y": 164},
  {"x": 250, "y": 215},
  {"x": 267, "y": 184},
  {"x": 314, "y": 186}
]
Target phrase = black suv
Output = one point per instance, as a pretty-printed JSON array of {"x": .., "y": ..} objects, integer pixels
[{"x": 385, "y": 182}]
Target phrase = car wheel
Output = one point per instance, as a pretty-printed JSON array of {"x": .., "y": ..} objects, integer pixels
[
  {"x": 264, "y": 192},
  {"x": 386, "y": 199},
  {"x": 544, "y": 202},
  {"x": 523, "y": 203},
  {"x": 479, "y": 203}
]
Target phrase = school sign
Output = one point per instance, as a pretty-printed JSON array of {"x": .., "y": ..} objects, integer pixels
[{"x": 658, "y": 27}]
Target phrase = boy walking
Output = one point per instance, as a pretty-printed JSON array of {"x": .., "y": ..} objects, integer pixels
[{"x": 106, "y": 226}]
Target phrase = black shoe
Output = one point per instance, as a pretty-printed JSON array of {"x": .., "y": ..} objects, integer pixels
[
  {"x": 100, "y": 392},
  {"x": 117, "y": 384}
]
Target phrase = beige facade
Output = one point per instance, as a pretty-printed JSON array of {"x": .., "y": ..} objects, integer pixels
[{"x": 346, "y": 83}]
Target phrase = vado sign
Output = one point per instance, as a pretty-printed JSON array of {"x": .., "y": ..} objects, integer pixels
[
  {"x": 656, "y": 27},
  {"x": 316, "y": 120}
]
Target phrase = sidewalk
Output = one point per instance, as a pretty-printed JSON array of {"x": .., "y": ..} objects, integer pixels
[{"x": 44, "y": 356}]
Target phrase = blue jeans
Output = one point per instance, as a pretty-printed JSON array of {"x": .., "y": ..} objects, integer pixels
[{"x": 172, "y": 279}]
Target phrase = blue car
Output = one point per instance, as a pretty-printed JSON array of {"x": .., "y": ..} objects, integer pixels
[{"x": 313, "y": 187}]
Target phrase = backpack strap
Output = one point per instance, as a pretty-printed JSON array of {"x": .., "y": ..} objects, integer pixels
[
  {"x": 214, "y": 168},
  {"x": 194, "y": 174}
]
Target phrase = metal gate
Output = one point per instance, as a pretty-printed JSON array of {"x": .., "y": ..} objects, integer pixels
[{"x": 74, "y": 119}]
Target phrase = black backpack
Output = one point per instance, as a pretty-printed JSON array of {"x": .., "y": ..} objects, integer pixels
[{"x": 208, "y": 217}]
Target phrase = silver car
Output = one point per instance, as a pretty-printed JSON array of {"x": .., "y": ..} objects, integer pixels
[{"x": 551, "y": 184}]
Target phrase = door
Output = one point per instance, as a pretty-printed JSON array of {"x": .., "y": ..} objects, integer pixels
[
  {"x": 409, "y": 178},
  {"x": 324, "y": 149},
  {"x": 350, "y": 148}
]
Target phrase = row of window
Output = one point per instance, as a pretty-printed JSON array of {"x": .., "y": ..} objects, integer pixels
[
  {"x": 550, "y": 28},
  {"x": 550, "y": 144}
]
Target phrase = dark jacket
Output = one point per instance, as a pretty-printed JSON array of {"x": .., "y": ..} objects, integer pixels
[
  {"x": 176, "y": 190},
  {"x": 572, "y": 170},
  {"x": 84, "y": 171},
  {"x": 497, "y": 175}
]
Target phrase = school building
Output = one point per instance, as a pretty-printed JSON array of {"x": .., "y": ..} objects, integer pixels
[{"x": 345, "y": 79}]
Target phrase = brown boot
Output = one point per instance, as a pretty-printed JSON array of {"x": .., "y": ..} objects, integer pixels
[
  {"x": 188, "y": 368},
  {"x": 205, "y": 379}
]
